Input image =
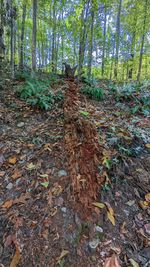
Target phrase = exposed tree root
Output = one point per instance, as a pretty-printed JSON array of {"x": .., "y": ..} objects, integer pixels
[{"x": 82, "y": 149}]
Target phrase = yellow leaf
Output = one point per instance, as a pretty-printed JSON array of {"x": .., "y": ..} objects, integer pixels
[
  {"x": 134, "y": 263},
  {"x": 62, "y": 255},
  {"x": 99, "y": 205},
  {"x": 147, "y": 197},
  {"x": 111, "y": 217},
  {"x": 143, "y": 204},
  {"x": 16, "y": 258},
  {"x": 12, "y": 160},
  {"x": 147, "y": 145},
  {"x": 7, "y": 204},
  {"x": 110, "y": 213},
  {"x": 45, "y": 175}
]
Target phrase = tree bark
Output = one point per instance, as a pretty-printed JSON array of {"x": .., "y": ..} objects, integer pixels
[
  {"x": 54, "y": 38},
  {"x": 90, "y": 45},
  {"x": 21, "y": 63},
  {"x": 117, "y": 40},
  {"x": 83, "y": 35},
  {"x": 104, "y": 41},
  {"x": 142, "y": 42},
  {"x": 34, "y": 3}
]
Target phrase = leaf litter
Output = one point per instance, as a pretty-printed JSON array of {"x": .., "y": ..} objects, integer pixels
[{"x": 31, "y": 212}]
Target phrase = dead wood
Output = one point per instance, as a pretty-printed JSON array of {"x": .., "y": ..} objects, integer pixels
[{"x": 82, "y": 150}]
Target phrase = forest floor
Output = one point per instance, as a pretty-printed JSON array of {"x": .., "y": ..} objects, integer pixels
[{"x": 38, "y": 224}]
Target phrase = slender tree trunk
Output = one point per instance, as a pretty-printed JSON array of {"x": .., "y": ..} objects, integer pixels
[
  {"x": 104, "y": 41},
  {"x": 21, "y": 63},
  {"x": 34, "y": 3},
  {"x": 12, "y": 47},
  {"x": 90, "y": 45},
  {"x": 133, "y": 45},
  {"x": 54, "y": 38},
  {"x": 117, "y": 40},
  {"x": 83, "y": 36},
  {"x": 143, "y": 39}
]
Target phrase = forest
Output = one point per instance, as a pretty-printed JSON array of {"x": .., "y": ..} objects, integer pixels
[{"x": 74, "y": 133}]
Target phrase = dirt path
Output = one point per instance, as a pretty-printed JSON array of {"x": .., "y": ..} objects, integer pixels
[{"x": 38, "y": 227}]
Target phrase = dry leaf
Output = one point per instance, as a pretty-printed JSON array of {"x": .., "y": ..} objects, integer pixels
[
  {"x": 147, "y": 197},
  {"x": 7, "y": 204},
  {"x": 147, "y": 145},
  {"x": 2, "y": 173},
  {"x": 17, "y": 174},
  {"x": 62, "y": 255},
  {"x": 57, "y": 190},
  {"x": 112, "y": 262},
  {"x": 12, "y": 160},
  {"x": 16, "y": 258},
  {"x": 134, "y": 263},
  {"x": 110, "y": 213},
  {"x": 99, "y": 205},
  {"x": 143, "y": 204}
]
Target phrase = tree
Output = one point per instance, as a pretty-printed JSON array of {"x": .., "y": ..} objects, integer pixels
[
  {"x": 34, "y": 5},
  {"x": 143, "y": 39},
  {"x": 21, "y": 63},
  {"x": 117, "y": 39}
]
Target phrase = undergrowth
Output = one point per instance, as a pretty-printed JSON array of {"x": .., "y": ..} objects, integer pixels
[
  {"x": 136, "y": 95},
  {"x": 38, "y": 91},
  {"x": 93, "y": 92}
]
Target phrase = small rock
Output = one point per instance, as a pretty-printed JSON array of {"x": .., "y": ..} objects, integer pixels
[
  {"x": 9, "y": 186},
  {"x": 64, "y": 209},
  {"x": 62, "y": 173},
  {"x": 147, "y": 228},
  {"x": 98, "y": 229},
  {"x": 20, "y": 124},
  {"x": 94, "y": 244}
]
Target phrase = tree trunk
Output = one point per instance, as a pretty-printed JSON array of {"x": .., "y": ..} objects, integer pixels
[
  {"x": 90, "y": 45},
  {"x": 21, "y": 63},
  {"x": 83, "y": 36},
  {"x": 12, "y": 48},
  {"x": 133, "y": 45},
  {"x": 104, "y": 41},
  {"x": 54, "y": 38},
  {"x": 143, "y": 39},
  {"x": 117, "y": 40},
  {"x": 34, "y": 3}
]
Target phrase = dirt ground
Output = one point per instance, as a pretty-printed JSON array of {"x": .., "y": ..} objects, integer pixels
[{"x": 39, "y": 225}]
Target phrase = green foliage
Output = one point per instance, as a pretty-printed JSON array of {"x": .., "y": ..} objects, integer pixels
[
  {"x": 93, "y": 92},
  {"x": 84, "y": 113},
  {"x": 37, "y": 91}
]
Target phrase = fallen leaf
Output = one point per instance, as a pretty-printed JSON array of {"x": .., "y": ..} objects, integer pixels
[
  {"x": 112, "y": 262},
  {"x": 147, "y": 197},
  {"x": 2, "y": 173},
  {"x": 31, "y": 166},
  {"x": 62, "y": 255},
  {"x": 7, "y": 204},
  {"x": 122, "y": 228},
  {"x": 45, "y": 184},
  {"x": 12, "y": 160},
  {"x": 17, "y": 174},
  {"x": 57, "y": 190},
  {"x": 16, "y": 258},
  {"x": 45, "y": 175},
  {"x": 99, "y": 205},
  {"x": 110, "y": 214},
  {"x": 134, "y": 263},
  {"x": 147, "y": 145},
  {"x": 130, "y": 203},
  {"x": 143, "y": 204}
]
